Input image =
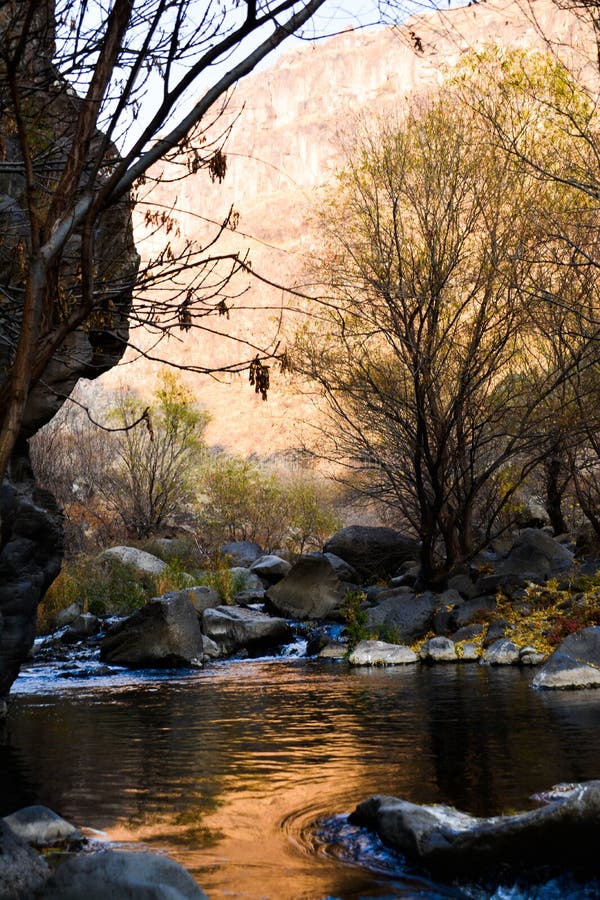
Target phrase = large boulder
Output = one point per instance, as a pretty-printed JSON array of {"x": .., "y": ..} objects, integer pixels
[
  {"x": 241, "y": 553},
  {"x": 535, "y": 556},
  {"x": 450, "y": 842},
  {"x": 311, "y": 590},
  {"x": 23, "y": 872},
  {"x": 271, "y": 568},
  {"x": 122, "y": 875},
  {"x": 407, "y": 616},
  {"x": 574, "y": 664},
  {"x": 164, "y": 632},
  {"x": 380, "y": 653},
  {"x": 234, "y": 627},
  {"x": 372, "y": 551},
  {"x": 145, "y": 563}
]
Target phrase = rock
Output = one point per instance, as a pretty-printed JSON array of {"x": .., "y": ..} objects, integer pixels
[
  {"x": 507, "y": 584},
  {"x": 242, "y": 553},
  {"x": 200, "y": 596},
  {"x": 122, "y": 875},
  {"x": 41, "y": 827},
  {"x": 530, "y": 656},
  {"x": 467, "y": 632},
  {"x": 468, "y": 652},
  {"x": 311, "y": 590},
  {"x": 463, "y": 584},
  {"x": 452, "y": 843},
  {"x": 372, "y": 551},
  {"x": 574, "y": 664},
  {"x": 234, "y": 627},
  {"x": 409, "y": 616},
  {"x": 23, "y": 872},
  {"x": 333, "y": 650},
  {"x": 67, "y": 615},
  {"x": 246, "y": 578},
  {"x": 535, "y": 556},
  {"x": 161, "y": 633},
  {"x": 210, "y": 648},
  {"x": 469, "y": 611},
  {"x": 501, "y": 653},
  {"x": 271, "y": 568},
  {"x": 31, "y": 548},
  {"x": 343, "y": 570},
  {"x": 317, "y": 639},
  {"x": 438, "y": 649},
  {"x": 495, "y": 631},
  {"x": 248, "y": 598},
  {"x": 84, "y": 626},
  {"x": 378, "y": 653},
  {"x": 144, "y": 562}
]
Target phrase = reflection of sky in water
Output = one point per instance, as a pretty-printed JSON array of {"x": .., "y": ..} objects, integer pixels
[{"x": 229, "y": 768}]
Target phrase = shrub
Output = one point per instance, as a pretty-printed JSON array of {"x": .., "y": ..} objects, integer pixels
[{"x": 355, "y": 618}]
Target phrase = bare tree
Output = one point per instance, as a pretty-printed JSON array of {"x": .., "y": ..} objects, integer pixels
[
  {"x": 71, "y": 96},
  {"x": 432, "y": 360}
]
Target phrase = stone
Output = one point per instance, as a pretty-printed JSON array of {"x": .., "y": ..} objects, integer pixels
[
  {"x": 311, "y": 590},
  {"x": 379, "y": 653},
  {"x": 463, "y": 584},
  {"x": 84, "y": 626},
  {"x": 333, "y": 650},
  {"x": 438, "y": 649},
  {"x": 23, "y": 872},
  {"x": 495, "y": 631},
  {"x": 451, "y": 843},
  {"x": 468, "y": 652},
  {"x": 67, "y": 615},
  {"x": 242, "y": 553},
  {"x": 210, "y": 648},
  {"x": 343, "y": 570},
  {"x": 122, "y": 875},
  {"x": 234, "y": 628},
  {"x": 501, "y": 653},
  {"x": 409, "y": 616},
  {"x": 271, "y": 568},
  {"x": 161, "y": 633},
  {"x": 200, "y": 596},
  {"x": 536, "y": 556},
  {"x": 41, "y": 827},
  {"x": 247, "y": 598},
  {"x": 470, "y": 610},
  {"x": 144, "y": 562},
  {"x": 372, "y": 551},
  {"x": 467, "y": 632},
  {"x": 245, "y": 579},
  {"x": 530, "y": 656},
  {"x": 575, "y": 663}
]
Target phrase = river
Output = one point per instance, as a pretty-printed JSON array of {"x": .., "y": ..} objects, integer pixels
[{"x": 244, "y": 771}]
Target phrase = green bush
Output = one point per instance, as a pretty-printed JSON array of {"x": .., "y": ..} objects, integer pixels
[{"x": 355, "y": 618}]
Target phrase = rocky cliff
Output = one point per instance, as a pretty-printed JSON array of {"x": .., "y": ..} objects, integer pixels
[{"x": 30, "y": 523}]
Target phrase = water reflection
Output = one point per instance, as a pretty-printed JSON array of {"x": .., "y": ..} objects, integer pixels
[{"x": 228, "y": 769}]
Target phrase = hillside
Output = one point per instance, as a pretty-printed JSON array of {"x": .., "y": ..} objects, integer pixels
[{"x": 287, "y": 126}]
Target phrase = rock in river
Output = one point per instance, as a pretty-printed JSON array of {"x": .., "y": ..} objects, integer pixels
[
  {"x": 451, "y": 843},
  {"x": 233, "y": 628},
  {"x": 379, "y": 653},
  {"x": 164, "y": 632},
  {"x": 311, "y": 590},
  {"x": 574, "y": 664}
]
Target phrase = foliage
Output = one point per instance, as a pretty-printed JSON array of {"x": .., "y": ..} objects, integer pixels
[
  {"x": 222, "y": 579},
  {"x": 438, "y": 346},
  {"x": 242, "y": 500},
  {"x": 355, "y": 618}
]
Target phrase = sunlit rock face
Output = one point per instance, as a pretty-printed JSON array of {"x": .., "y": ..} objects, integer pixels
[{"x": 31, "y": 526}]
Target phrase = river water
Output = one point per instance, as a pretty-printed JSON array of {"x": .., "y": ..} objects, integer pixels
[{"x": 244, "y": 771}]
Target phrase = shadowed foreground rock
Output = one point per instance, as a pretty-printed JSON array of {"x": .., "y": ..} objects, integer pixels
[
  {"x": 164, "y": 632},
  {"x": 371, "y": 550},
  {"x": 565, "y": 833}
]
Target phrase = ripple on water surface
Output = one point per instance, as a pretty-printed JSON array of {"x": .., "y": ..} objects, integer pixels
[{"x": 244, "y": 771}]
